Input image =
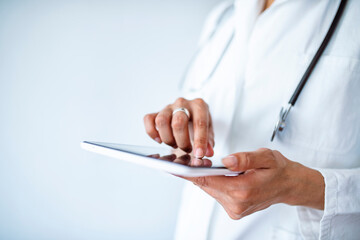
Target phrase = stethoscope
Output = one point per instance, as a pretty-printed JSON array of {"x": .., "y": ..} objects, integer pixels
[{"x": 284, "y": 112}]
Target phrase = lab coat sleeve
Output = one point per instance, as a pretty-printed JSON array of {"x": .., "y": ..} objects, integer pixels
[{"x": 341, "y": 216}]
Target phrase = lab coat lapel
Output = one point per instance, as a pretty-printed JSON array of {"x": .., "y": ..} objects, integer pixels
[{"x": 225, "y": 102}]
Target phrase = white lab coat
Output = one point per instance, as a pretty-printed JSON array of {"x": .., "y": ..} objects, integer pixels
[{"x": 258, "y": 75}]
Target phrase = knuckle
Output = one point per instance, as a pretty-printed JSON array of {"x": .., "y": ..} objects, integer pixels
[
  {"x": 240, "y": 196},
  {"x": 267, "y": 152},
  {"x": 200, "y": 123},
  {"x": 276, "y": 152},
  {"x": 200, "y": 105},
  {"x": 201, "y": 140},
  {"x": 199, "y": 101},
  {"x": 181, "y": 101},
  {"x": 245, "y": 196},
  {"x": 147, "y": 117},
  {"x": 161, "y": 121},
  {"x": 264, "y": 150},
  {"x": 245, "y": 160},
  {"x": 169, "y": 106},
  {"x": 150, "y": 131},
  {"x": 200, "y": 181},
  {"x": 178, "y": 122},
  {"x": 235, "y": 195}
]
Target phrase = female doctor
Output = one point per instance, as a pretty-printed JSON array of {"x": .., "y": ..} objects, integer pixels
[{"x": 306, "y": 183}]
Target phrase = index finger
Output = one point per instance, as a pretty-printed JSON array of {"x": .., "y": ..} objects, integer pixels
[
  {"x": 220, "y": 183},
  {"x": 201, "y": 122}
]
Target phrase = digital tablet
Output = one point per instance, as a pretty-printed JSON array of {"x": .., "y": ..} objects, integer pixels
[{"x": 165, "y": 159}]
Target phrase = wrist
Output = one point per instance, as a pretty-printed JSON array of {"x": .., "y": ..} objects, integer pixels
[{"x": 306, "y": 188}]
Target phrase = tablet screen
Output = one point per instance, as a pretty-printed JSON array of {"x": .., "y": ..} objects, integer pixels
[{"x": 161, "y": 153}]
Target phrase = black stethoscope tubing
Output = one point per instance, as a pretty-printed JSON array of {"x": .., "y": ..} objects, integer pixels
[
  {"x": 318, "y": 54},
  {"x": 284, "y": 112}
]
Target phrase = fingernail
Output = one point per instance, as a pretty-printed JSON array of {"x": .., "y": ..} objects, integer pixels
[
  {"x": 158, "y": 139},
  {"x": 197, "y": 162},
  {"x": 199, "y": 153},
  {"x": 230, "y": 161}
]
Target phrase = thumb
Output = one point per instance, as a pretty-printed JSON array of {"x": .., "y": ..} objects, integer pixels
[{"x": 248, "y": 160}]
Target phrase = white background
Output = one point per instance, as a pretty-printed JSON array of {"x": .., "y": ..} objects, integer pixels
[{"x": 88, "y": 70}]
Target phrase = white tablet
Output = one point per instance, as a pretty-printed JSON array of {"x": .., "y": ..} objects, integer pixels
[{"x": 165, "y": 159}]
